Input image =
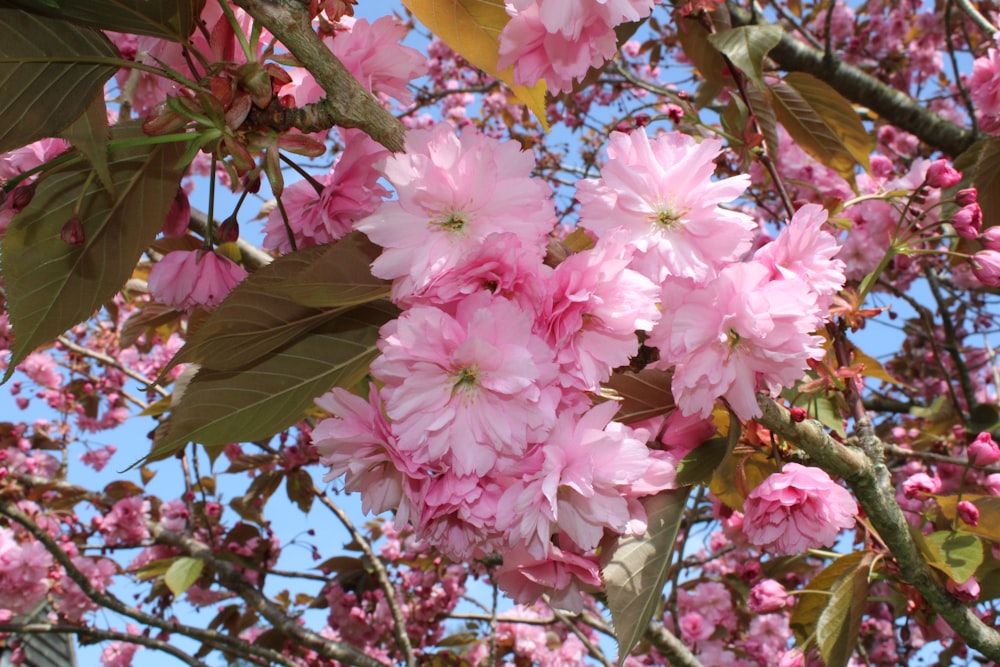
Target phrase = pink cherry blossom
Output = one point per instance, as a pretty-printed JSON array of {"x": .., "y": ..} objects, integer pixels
[
  {"x": 454, "y": 192},
  {"x": 24, "y": 570},
  {"x": 186, "y": 279},
  {"x": 797, "y": 509},
  {"x": 984, "y": 451},
  {"x": 357, "y": 442},
  {"x": 804, "y": 249},
  {"x": 373, "y": 54},
  {"x": 984, "y": 89},
  {"x": 98, "y": 458},
  {"x": 662, "y": 195},
  {"x": 767, "y": 597},
  {"x": 986, "y": 267},
  {"x": 71, "y": 600},
  {"x": 125, "y": 524},
  {"x": 739, "y": 333},
  {"x": 563, "y": 575},
  {"x": 588, "y": 463},
  {"x": 595, "y": 307},
  {"x": 350, "y": 192},
  {"x": 463, "y": 390}
]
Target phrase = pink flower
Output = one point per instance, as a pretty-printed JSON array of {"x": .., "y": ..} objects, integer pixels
[
  {"x": 663, "y": 196},
  {"x": 72, "y": 601},
  {"x": 186, "y": 279},
  {"x": 350, "y": 192},
  {"x": 454, "y": 192},
  {"x": 98, "y": 458},
  {"x": 565, "y": 576},
  {"x": 968, "y": 220},
  {"x": 984, "y": 451},
  {"x": 694, "y": 628},
  {"x": 805, "y": 250},
  {"x": 797, "y": 509},
  {"x": 738, "y": 333},
  {"x": 125, "y": 524},
  {"x": 462, "y": 391},
  {"x": 595, "y": 307},
  {"x": 588, "y": 465},
  {"x": 986, "y": 267},
  {"x": 357, "y": 442},
  {"x": 24, "y": 573},
  {"x": 984, "y": 85},
  {"x": 968, "y": 512},
  {"x": 373, "y": 54},
  {"x": 537, "y": 53},
  {"x": 942, "y": 175},
  {"x": 990, "y": 238},
  {"x": 767, "y": 597}
]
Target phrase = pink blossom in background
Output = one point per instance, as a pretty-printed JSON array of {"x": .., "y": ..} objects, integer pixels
[
  {"x": 373, "y": 54},
  {"x": 984, "y": 451},
  {"x": 463, "y": 391},
  {"x": 98, "y": 458},
  {"x": 986, "y": 267},
  {"x": 538, "y": 54},
  {"x": 984, "y": 89},
  {"x": 662, "y": 195},
  {"x": 20, "y": 160},
  {"x": 120, "y": 654},
  {"x": 125, "y": 524},
  {"x": 767, "y": 597},
  {"x": 24, "y": 573},
  {"x": 798, "y": 509},
  {"x": 453, "y": 192},
  {"x": 41, "y": 368},
  {"x": 350, "y": 192},
  {"x": 739, "y": 333},
  {"x": 187, "y": 279},
  {"x": 71, "y": 600}
]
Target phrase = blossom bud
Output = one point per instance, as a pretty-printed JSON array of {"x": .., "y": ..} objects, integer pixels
[
  {"x": 767, "y": 597},
  {"x": 990, "y": 238},
  {"x": 942, "y": 175},
  {"x": 798, "y": 414},
  {"x": 966, "y": 196},
  {"x": 255, "y": 80},
  {"x": 22, "y": 196},
  {"x": 968, "y": 220},
  {"x": 968, "y": 513},
  {"x": 72, "y": 232},
  {"x": 163, "y": 120},
  {"x": 178, "y": 217},
  {"x": 967, "y": 591},
  {"x": 229, "y": 231},
  {"x": 986, "y": 267},
  {"x": 983, "y": 451}
]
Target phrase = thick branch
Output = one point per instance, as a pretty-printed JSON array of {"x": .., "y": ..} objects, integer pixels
[
  {"x": 35, "y": 628},
  {"x": 893, "y": 105},
  {"x": 670, "y": 646},
  {"x": 347, "y": 104},
  {"x": 865, "y": 473}
]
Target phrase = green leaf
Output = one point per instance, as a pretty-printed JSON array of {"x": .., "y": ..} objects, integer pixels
[
  {"x": 339, "y": 276},
  {"x": 810, "y": 606},
  {"x": 839, "y": 622},
  {"x": 52, "y": 286},
  {"x": 182, "y": 574},
  {"x": 822, "y": 122},
  {"x": 282, "y": 301},
  {"x": 699, "y": 465},
  {"x": 989, "y": 514},
  {"x": 638, "y": 568},
  {"x": 766, "y": 118},
  {"x": 642, "y": 395},
  {"x": 707, "y": 59},
  {"x": 89, "y": 134},
  {"x": 747, "y": 46},
  {"x": 986, "y": 180},
  {"x": 41, "y": 99},
  {"x": 956, "y": 553},
  {"x": 219, "y": 407},
  {"x": 168, "y": 19}
]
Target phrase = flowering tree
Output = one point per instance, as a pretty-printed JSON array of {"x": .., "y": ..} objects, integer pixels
[{"x": 575, "y": 296}]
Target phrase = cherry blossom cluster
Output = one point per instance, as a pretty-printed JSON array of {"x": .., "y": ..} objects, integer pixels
[{"x": 481, "y": 430}]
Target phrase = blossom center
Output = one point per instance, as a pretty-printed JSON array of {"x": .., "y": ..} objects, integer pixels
[
  {"x": 466, "y": 381},
  {"x": 667, "y": 216},
  {"x": 454, "y": 222}
]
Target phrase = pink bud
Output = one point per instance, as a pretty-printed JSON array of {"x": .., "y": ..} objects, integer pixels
[
  {"x": 968, "y": 220},
  {"x": 983, "y": 451},
  {"x": 798, "y": 414},
  {"x": 966, "y": 196},
  {"x": 986, "y": 267},
  {"x": 72, "y": 232},
  {"x": 967, "y": 591},
  {"x": 767, "y": 597},
  {"x": 942, "y": 175},
  {"x": 968, "y": 513},
  {"x": 990, "y": 238}
]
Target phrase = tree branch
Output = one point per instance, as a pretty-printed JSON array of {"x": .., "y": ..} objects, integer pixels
[
  {"x": 861, "y": 88},
  {"x": 347, "y": 104},
  {"x": 866, "y": 474}
]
